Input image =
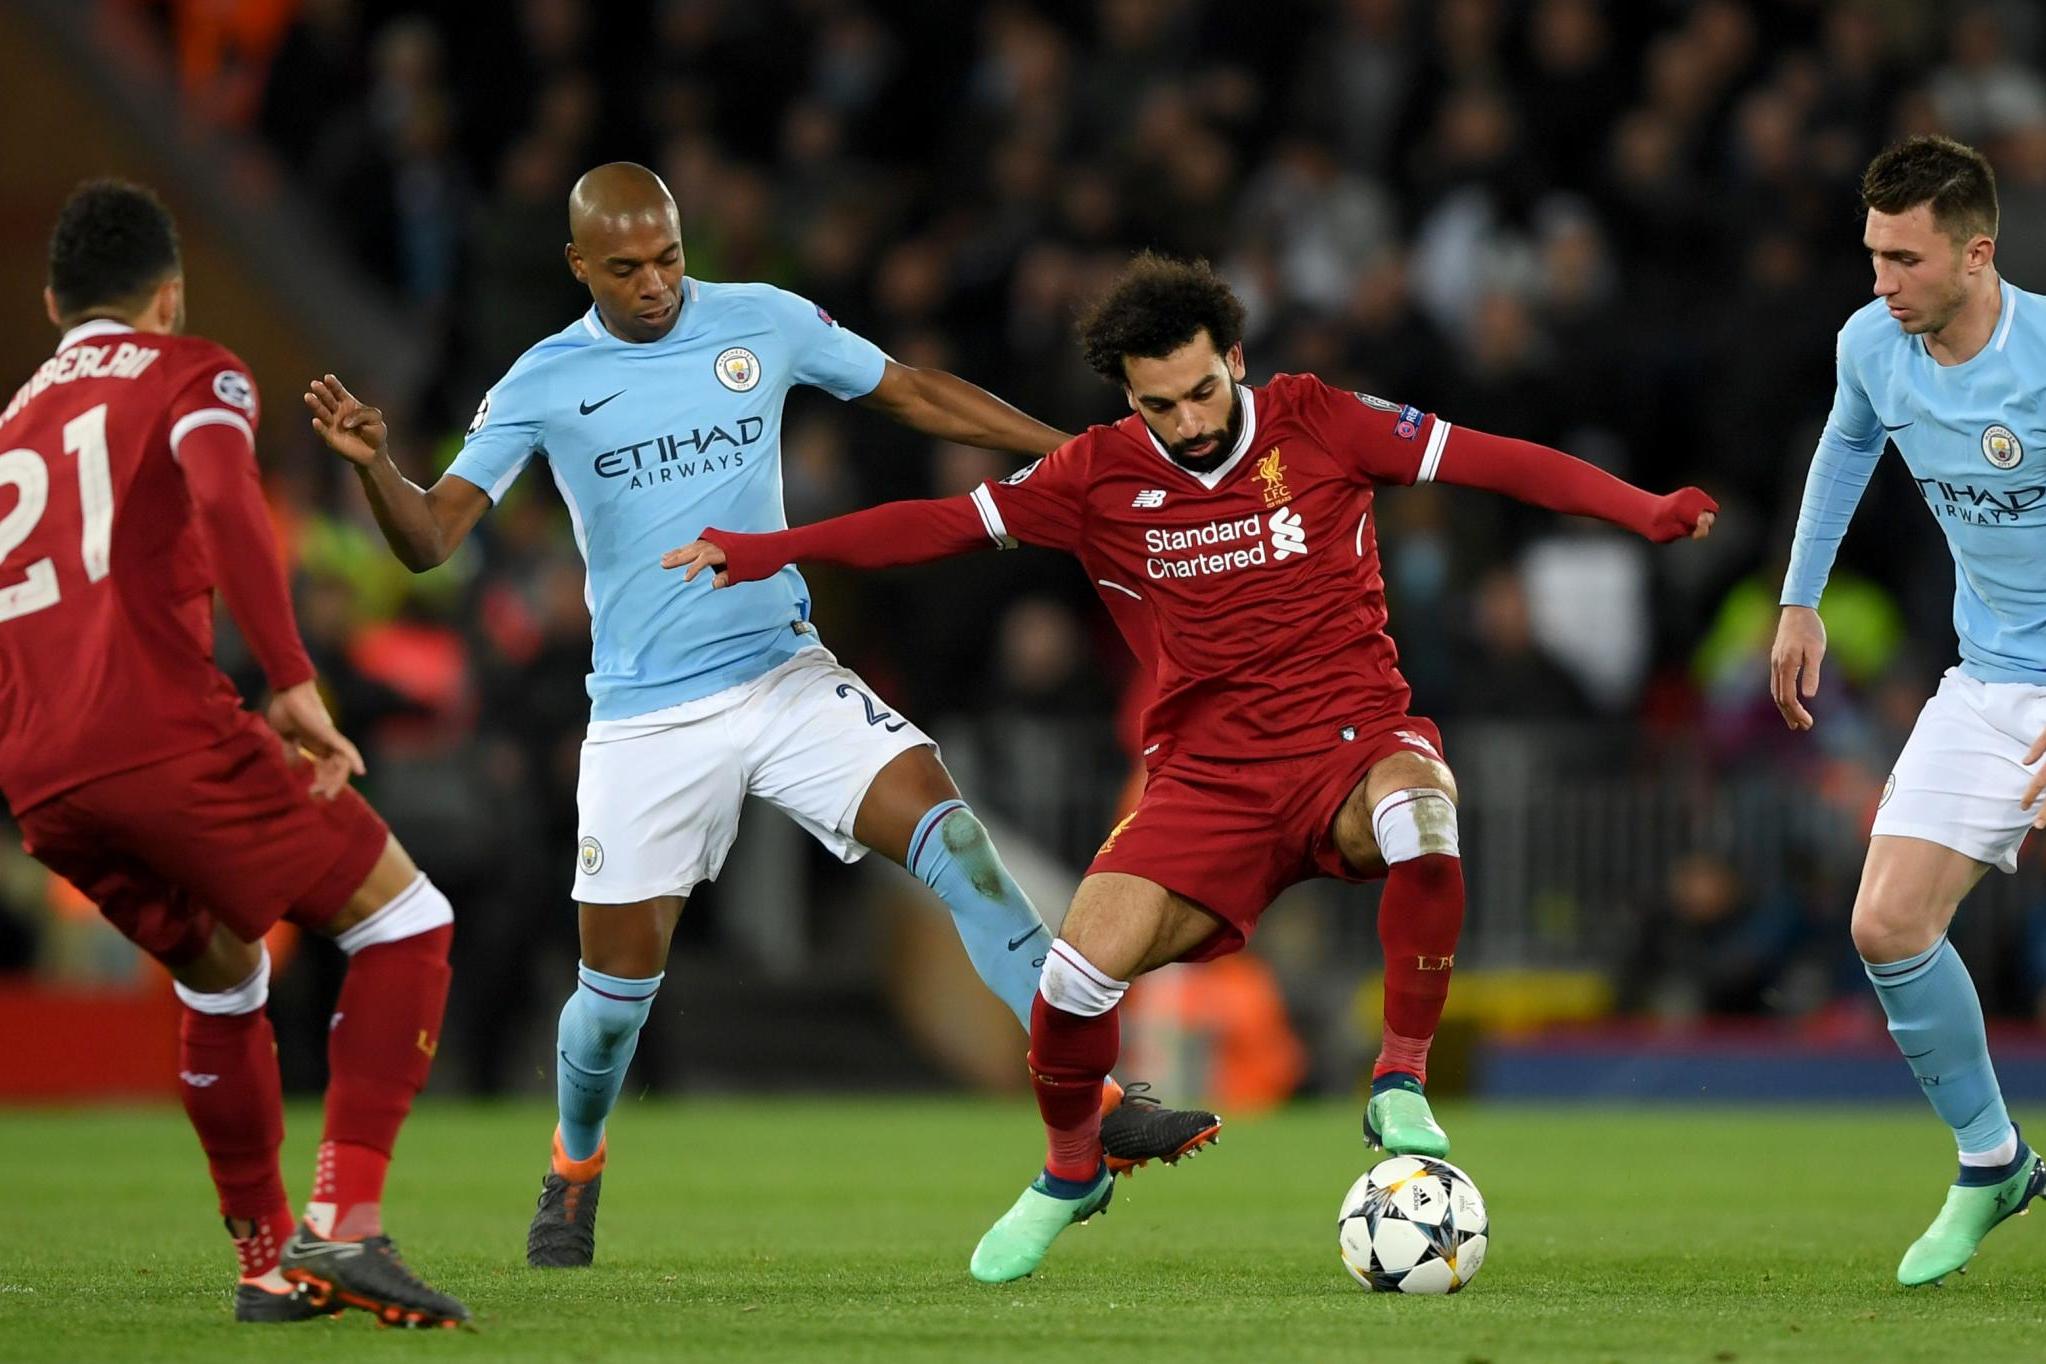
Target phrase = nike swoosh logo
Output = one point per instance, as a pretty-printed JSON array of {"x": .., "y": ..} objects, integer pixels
[
  {"x": 1914, "y": 1055},
  {"x": 587, "y": 408},
  {"x": 340, "y": 1249},
  {"x": 1886, "y": 426},
  {"x": 1015, "y": 943}
]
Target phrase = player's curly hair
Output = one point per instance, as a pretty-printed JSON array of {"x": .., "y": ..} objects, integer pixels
[
  {"x": 1951, "y": 176},
  {"x": 1156, "y": 305},
  {"x": 113, "y": 242}
]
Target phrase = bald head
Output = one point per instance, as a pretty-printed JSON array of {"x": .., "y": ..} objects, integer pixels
[
  {"x": 617, "y": 195},
  {"x": 625, "y": 243}
]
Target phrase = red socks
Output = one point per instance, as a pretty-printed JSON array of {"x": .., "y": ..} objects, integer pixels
[
  {"x": 1420, "y": 918},
  {"x": 386, "y": 1029},
  {"x": 227, "y": 1069},
  {"x": 1070, "y": 1056}
]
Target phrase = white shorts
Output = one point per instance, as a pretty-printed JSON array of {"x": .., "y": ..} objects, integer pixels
[
  {"x": 658, "y": 796},
  {"x": 1959, "y": 779}
]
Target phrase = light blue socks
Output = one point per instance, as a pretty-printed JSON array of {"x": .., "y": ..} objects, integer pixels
[
  {"x": 1936, "y": 1019},
  {"x": 599, "y": 1032},
  {"x": 950, "y": 852}
]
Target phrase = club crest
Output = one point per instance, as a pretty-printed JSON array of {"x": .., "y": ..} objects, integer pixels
[
  {"x": 2001, "y": 447},
  {"x": 738, "y": 369}
]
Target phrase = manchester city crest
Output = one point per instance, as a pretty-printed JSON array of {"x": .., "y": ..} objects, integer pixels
[
  {"x": 2001, "y": 447},
  {"x": 590, "y": 853},
  {"x": 738, "y": 369}
]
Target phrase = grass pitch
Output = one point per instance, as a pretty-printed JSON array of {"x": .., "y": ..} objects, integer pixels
[{"x": 839, "y": 1230}]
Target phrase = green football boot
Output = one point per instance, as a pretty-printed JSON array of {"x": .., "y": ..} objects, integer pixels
[
  {"x": 1398, "y": 1119},
  {"x": 1016, "y": 1245},
  {"x": 1971, "y": 1213}
]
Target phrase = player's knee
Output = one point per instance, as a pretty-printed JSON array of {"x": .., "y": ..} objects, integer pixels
[
  {"x": 606, "y": 1011},
  {"x": 1414, "y": 823},
  {"x": 965, "y": 839},
  {"x": 1887, "y": 928},
  {"x": 1072, "y": 983},
  {"x": 247, "y": 995},
  {"x": 414, "y": 912}
]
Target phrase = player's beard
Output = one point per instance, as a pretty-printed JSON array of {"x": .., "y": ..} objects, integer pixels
[
  {"x": 1937, "y": 318},
  {"x": 1225, "y": 440}
]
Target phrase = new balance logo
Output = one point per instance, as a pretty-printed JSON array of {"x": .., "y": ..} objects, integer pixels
[
  {"x": 1289, "y": 537},
  {"x": 1413, "y": 740},
  {"x": 1149, "y": 500},
  {"x": 197, "y": 1080}
]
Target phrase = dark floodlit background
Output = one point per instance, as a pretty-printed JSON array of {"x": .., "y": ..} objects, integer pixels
[{"x": 1628, "y": 229}]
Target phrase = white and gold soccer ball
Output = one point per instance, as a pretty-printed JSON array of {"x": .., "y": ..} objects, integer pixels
[{"x": 1413, "y": 1224}]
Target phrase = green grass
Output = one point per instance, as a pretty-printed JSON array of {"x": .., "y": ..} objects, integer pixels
[{"x": 839, "y": 1230}]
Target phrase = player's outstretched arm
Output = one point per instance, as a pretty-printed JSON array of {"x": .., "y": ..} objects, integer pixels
[
  {"x": 423, "y": 526},
  {"x": 1543, "y": 477},
  {"x": 947, "y": 407},
  {"x": 886, "y": 536},
  {"x": 1794, "y": 664}
]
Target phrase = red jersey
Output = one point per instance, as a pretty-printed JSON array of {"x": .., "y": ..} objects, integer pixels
[
  {"x": 1252, "y": 591},
  {"x": 109, "y": 552}
]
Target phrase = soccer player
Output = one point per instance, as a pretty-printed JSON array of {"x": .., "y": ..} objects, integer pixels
[
  {"x": 1228, "y": 528},
  {"x": 1946, "y": 363},
  {"x": 659, "y": 411},
  {"x": 136, "y": 775}
]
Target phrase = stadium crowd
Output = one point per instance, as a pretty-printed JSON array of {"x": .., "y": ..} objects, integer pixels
[{"x": 1627, "y": 229}]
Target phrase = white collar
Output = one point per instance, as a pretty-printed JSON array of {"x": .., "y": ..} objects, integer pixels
[
  {"x": 98, "y": 326},
  {"x": 1244, "y": 438}
]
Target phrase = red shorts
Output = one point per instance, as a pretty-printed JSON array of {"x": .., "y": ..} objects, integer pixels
[
  {"x": 228, "y": 834},
  {"x": 1230, "y": 834}
]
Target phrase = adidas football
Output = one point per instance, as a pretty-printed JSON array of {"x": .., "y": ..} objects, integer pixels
[{"x": 1413, "y": 1224}]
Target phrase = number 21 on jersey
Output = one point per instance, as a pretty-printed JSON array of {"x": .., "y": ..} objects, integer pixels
[{"x": 85, "y": 439}]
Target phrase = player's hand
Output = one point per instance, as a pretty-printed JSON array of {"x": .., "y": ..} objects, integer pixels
[
  {"x": 300, "y": 716},
  {"x": 1685, "y": 512},
  {"x": 2038, "y": 782},
  {"x": 1794, "y": 665},
  {"x": 695, "y": 557},
  {"x": 351, "y": 430}
]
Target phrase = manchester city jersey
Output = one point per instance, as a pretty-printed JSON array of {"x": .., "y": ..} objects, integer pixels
[
  {"x": 1974, "y": 438},
  {"x": 651, "y": 442}
]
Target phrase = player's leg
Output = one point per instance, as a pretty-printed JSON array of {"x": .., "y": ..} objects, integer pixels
[
  {"x": 227, "y": 1053},
  {"x": 1950, "y": 812},
  {"x": 624, "y": 957},
  {"x": 857, "y": 777},
  {"x": 1119, "y": 926},
  {"x": 1402, "y": 816},
  {"x": 657, "y": 801},
  {"x": 396, "y": 929},
  {"x": 913, "y": 815},
  {"x": 228, "y": 1081},
  {"x": 1910, "y": 889}
]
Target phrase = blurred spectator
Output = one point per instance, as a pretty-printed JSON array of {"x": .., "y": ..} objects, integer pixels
[
  {"x": 1504, "y": 670},
  {"x": 1985, "y": 90},
  {"x": 2021, "y": 200},
  {"x": 1712, "y": 943}
]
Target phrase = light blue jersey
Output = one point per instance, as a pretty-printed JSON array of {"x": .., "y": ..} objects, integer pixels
[
  {"x": 1974, "y": 437},
  {"x": 650, "y": 443}
]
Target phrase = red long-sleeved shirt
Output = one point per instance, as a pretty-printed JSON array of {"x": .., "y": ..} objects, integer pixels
[
  {"x": 1253, "y": 591},
  {"x": 131, "y": 461}
]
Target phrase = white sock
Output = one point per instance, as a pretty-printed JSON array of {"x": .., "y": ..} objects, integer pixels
[{"x": 2003, "y": 1153}]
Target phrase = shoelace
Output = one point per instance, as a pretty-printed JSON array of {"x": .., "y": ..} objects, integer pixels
[{"x": 1139, "y": 1092}]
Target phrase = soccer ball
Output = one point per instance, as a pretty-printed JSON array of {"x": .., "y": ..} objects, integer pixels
[{"x": 1413, "y": 1224}]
